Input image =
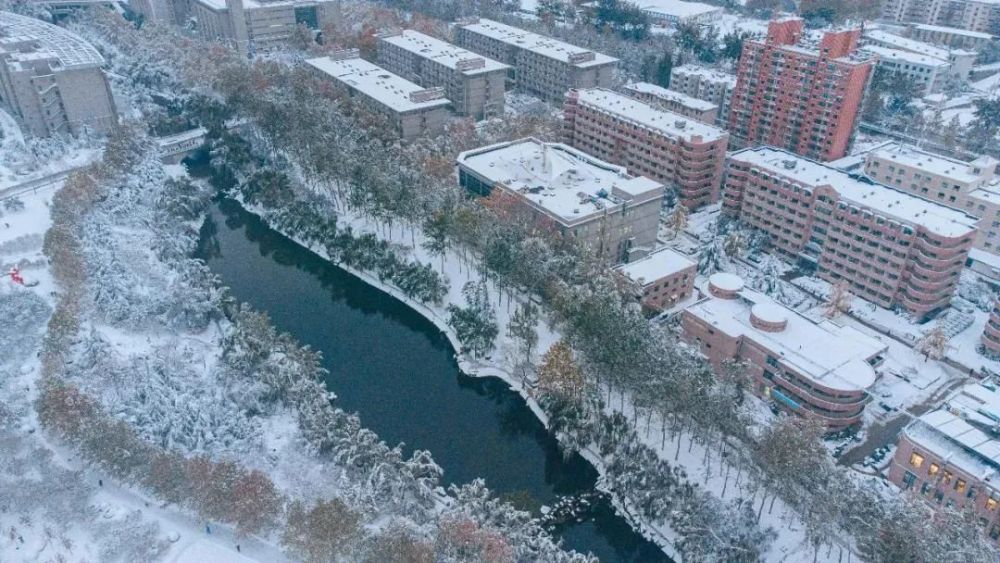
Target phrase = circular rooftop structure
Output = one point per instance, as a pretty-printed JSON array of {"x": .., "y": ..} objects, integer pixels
[
  {"x": 724, "y": 285},
  {"x": 769, "y": 317},
  {"x": 24, "y": 38}
]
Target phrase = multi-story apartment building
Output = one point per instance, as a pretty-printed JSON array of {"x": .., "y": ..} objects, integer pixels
[
  {"x": 960, "y": 61},
  {"x": 819, "y": 370},
  {"x": 669, "y": 148},
  {"x": 951, "y": 36},
  {"x": 926, "y": 72},
  {"x": 611, "y": 212},
  {"x": 950, "y": 457},
  {"x": 411, "y": 109},
  {"x": 260, "y": 24},
  {"x": 540, "y": 65},
  {"x": 474, "y": 84},
  {"x": 971, "y": 15},
  {"x": 800, "y": 96},
  {"x": 662, "y": 279},
  {"x": 672, "y": 100},
  {"x": 972, "y": 187},
  {"x": 51, "y": 79},
  {"x": 705, "y": 84},
  {"x": 893, "y": 248},
  {"x": 991, "y": 332},
  {"x": 679, "y": 12}
]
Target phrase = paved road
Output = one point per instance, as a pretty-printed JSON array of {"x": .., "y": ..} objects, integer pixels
[
  {"x": 885, "y": 432},
  {"x": 34, "y": 185}
]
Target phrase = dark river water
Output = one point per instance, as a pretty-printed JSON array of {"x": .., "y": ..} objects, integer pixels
[{"x": 397, "y": 371}]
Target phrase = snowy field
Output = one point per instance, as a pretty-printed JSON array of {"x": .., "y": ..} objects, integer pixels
[
  {"x": 56, "y": 509},
  {"x": 33, "y": 160}
]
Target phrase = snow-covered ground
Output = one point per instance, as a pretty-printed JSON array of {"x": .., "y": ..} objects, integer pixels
[
  {"x": 26, "y": 160},
  {"x": 55, "y": 508}
]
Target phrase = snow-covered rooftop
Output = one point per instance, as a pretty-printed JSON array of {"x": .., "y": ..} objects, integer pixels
[
  {"x": 953, "y": 30},
  {"x": 931, "y": 163},
  {"x": 907, "y": 44},
  {"x": 671, "y": 96},
  {"x": 648, "y": 116},
  {"x": 392, "y": 90},
  {"x": 706, "y": 73},
  {"x": 881, "y": 199},
  {"x": 656, "y": 266},
  {"x": 449, "y": 55},
  {"x": 831, "y": 355},
  {"x": 566, "y": 183},
  {"x": 958, "y": 442},
  {"x": 991, "y": 260},
  {"x": 905, "y": 57},
  {"x": 545, "y": 46},
  {"x": 26, "y": 39},
  {"x": 677, "y": 8},
  {"x": 977, "y": 403}
]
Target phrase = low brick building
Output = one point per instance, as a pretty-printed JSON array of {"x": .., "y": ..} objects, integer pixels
[
  {"x": 611, "y": 212},
  {"x": 812, "y": 369},
  {"x": 991, "y": 332},
  {"x": 951, "y": 457},
  {"x": 662, "y": 279}
]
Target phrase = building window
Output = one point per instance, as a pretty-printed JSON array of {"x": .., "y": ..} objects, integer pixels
[
  {"x": 916, "y": 460},
  {"x": 925, "y": 488},
  {"x": 992, "y": 503},
  {"x": 960, "y": 485},
  {"x": 908, "y": 480},
  {"x": 933, "y": 469}
]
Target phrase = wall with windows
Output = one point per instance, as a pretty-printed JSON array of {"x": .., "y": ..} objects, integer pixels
[{"x": 922, "y": 472}]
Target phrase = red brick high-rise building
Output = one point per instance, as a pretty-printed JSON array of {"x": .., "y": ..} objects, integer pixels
[{"x": 800, "y": 96}]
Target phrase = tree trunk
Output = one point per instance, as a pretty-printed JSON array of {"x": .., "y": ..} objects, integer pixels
[
  {"x": 725, "y": 482},
  {"x": 680, "y": 435},
  {"x": 663, "y": 431},
  {"x": 763, "y": 501},
  {"x": 770, "y": 508}
]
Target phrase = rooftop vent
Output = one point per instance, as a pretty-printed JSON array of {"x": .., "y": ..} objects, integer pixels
[{"x": 788, "y": 164}]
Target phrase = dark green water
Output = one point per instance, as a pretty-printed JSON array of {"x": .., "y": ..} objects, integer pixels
[{"x": 397, "y": 371}]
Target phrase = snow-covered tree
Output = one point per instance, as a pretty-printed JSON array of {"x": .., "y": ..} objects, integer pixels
[
  {"x": 475, "y": 324},
  {"x": 523, "y": 329}
]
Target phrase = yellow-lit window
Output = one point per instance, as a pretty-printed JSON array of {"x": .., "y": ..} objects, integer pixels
[
  {"x": 960, "y": 485},
  {"x": 992, "y": 503},
  {"x": 933, "y": 469},
  {"x": 946, "y": 478},
  {"x": 916, "y": 460}
]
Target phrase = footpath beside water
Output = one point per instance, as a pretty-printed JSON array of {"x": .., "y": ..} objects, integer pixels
[{"x": 390, "y": 364}]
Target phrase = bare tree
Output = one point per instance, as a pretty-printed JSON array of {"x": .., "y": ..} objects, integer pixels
[
  {"x": 933, "y": 344},
  {"x": 839, "y": 301}
]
